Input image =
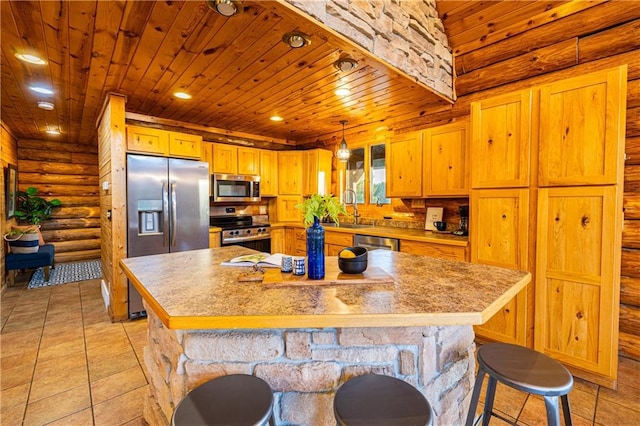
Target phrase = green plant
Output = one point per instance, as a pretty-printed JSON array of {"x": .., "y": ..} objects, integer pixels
[
  {"x": 32, "y": 208},
  {"x": 321, "y": 206},
  {"x": 16, "y": 233}
]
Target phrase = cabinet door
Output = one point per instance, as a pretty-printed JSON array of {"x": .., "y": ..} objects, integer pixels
[
  {"x": 214, "y": 239},
  {"x": 501, "y": 141},
  {"x": 336, "y": 241},
  {"x": 183, "y": 145},
  {"x": 582, "y": 129},
  {"x": 225, "y": 158},
  {"x": 286, "y": 208},
  {"x": 290, "y": 172},
  {"x": 441, "y": 251},
  {"x": 578, "y": 277},
  {"x": 499, "y": 226},
  {"x": 278, "y": 240},
  {"x": 404, "y": 166},
  {"x": 268, "y": 173},
  {"x": 143, "y": 139},
  {"x": 445, "y": 160},
  {"x": 316, "y": 176},
  {"x": 248, "y": 161}
]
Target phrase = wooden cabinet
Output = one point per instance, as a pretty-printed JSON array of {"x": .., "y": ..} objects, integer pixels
[
  {"x": 300, "y": 243},
  {"x": 445, "y": 166},
  {"x": 290, "y": 241},
  {"x": 286, "y": 210},
  {"x": 336, "y": 241},
  {"x": 224, "y": 158},
  {"x": 500, "y": 237},
  {"x": 578, "y": 272},
  {"x": 404, "y": 165},
  {"x": 268, "y": 173},
  {"x": 582, "y": 130},
  {"x": 248, "y": 161},
  {"x": 183, "y": 145},
  {"x": 278, "y": 240},
  {"x": 214, "y": 238},
  {"x": 290, "y": 172},
  {"x": 316, "y": 175},
  {"x": 441, "y": 251},
  {"x": 147, "y": 140},
  {"x": 162, "y": 142},
  {"x": 501, "y": 141}
]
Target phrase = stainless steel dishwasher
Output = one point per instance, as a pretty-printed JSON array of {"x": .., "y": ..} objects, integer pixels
[{"x": 371, "y": 243}]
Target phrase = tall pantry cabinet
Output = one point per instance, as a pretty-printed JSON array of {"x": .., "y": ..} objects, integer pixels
[{"x": 561, "y": 219}]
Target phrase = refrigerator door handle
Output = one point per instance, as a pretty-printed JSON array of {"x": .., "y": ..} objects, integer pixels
[
  {"x": 165, "y": 213},
  {"x": 174, "y": 214}
]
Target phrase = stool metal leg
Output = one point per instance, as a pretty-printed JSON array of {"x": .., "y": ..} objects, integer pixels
[
  {"x": 471, "y": 415},
  {"x": 566, "y": 410},
  {"x": 488, "y": 402},
  {"x": 553, "y": 412}
]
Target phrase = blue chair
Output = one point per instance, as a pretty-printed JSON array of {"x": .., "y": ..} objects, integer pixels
[{"x": 43, "y": 257}]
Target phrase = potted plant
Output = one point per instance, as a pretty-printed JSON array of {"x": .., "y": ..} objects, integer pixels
[
  {"x": 32, "y": 208},
  {"x": 23, "y": 240},
  {"x": 315, "y": 208}
]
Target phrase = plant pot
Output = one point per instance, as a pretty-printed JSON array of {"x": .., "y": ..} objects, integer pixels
[{"x": 26, "y": 243}]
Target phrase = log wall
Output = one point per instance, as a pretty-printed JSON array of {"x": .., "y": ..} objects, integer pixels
[
  {"x": 8, "y": 155},
  {"x": 68, "y": 172},
  {"x": 601, "y": 37}
]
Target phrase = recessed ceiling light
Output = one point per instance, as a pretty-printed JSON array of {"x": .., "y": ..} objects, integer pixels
[
  {"x": 182, "y": 95},
  {"x": 32, "y": 59},
  {"x": 41, "y": 90},
  {"x": 346, "y": 64},
  {"x": 226, "y": 8},
  {"x": 46, "y": 105},
  {"x": 276, "y": 118},
  {"x": 54, "y": 132},
  {"x": 296, "y": 39},
  {"x": 342, "y": 91}
]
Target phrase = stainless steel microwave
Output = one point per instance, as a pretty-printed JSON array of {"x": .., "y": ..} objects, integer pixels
[{"x": 235, "y": 188}]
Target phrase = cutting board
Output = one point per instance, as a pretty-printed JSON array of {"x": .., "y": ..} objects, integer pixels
[{"x": 332, "y": 276}]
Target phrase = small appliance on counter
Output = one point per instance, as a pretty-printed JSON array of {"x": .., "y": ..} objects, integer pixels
[{"x": 464, "y": 222}]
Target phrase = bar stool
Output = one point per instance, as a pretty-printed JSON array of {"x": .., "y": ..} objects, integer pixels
[
  {"x": 380, "y": 400},
  {"x": 526, "y": 370},
  {"x": 236, "y": 399}
]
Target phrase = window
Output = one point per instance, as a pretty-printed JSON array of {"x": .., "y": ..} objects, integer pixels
[{"x": 369, "y": 183}]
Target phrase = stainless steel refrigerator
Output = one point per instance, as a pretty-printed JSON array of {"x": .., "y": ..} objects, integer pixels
[{"x": 167, "y": 210}]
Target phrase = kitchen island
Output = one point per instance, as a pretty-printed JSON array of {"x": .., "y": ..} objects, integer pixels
[{"x": 305, "y": 341}]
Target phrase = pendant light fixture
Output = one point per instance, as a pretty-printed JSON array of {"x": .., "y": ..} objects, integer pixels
[{"x": 343, "y": 152}]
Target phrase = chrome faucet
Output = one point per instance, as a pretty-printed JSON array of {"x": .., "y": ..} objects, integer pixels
[{"x": 355, "y": 204}]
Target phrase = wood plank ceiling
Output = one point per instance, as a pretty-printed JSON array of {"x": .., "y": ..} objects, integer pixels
[{"x": 237, "y": 69}]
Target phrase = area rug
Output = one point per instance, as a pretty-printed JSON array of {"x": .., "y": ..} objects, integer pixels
[{"x": 67, "y": 273}]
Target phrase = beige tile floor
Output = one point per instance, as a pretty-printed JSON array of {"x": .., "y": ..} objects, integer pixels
[{"x": 64, "y": 363}]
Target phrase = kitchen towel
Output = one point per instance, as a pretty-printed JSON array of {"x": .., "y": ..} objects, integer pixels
[{"x": 67, "y": 273}]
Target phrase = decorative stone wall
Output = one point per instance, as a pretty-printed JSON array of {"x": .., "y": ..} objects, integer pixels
[
  {"x": 406, "y": 34},
  {"x": 305, "y": 367}
]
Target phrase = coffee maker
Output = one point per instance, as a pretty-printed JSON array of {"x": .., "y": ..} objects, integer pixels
[{"x": 464, "y": 221}]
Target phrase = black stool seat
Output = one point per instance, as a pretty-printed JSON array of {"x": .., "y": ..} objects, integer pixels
[
  {"x": 237, "y": 399},
  {"x": 380, "y": 400},
  {"x": 523, "y": 369}
]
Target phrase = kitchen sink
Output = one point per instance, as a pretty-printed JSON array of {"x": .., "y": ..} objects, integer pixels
[{"x": 346, "y": 225}]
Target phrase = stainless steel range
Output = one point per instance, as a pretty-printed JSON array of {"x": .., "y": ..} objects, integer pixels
[{"x": 239, "y": 228}]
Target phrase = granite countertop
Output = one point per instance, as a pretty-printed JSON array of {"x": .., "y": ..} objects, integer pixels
[
  {"x": 191, "y": 290},
  {"x": 393, "y": 232}
]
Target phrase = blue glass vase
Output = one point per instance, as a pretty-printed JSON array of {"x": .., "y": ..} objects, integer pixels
[{"x": 315, "y": 250}]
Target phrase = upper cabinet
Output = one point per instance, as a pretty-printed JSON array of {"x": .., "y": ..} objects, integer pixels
[
  {"x": 404, "y": 165},
  {"x": 290, "y": 173},
  {"x": 268, "y": 173},
  {"x": 446, "y": 151},
  {"x": 162, "y": 142},
  {"x": 316, "y": 176},
  {"x": 224, "y": 158},
  {"x": 582, "y": 130},
  {"x": 248, "y": 161},
  {"x": 501, "y": 141}
]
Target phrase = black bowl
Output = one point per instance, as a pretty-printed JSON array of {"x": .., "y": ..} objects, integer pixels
[{"x": 354, "y": 265}]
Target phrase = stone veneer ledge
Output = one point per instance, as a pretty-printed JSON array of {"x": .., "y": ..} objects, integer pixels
[
  {"x": 305, "y": 367},
  {"x": 408, "y": 35}
]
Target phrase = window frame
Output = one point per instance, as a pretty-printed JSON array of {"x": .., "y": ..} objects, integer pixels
[{"x": 367, "y": 170}]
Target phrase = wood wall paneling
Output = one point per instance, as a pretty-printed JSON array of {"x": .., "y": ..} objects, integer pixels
[{"x": 8, "y": 155}]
